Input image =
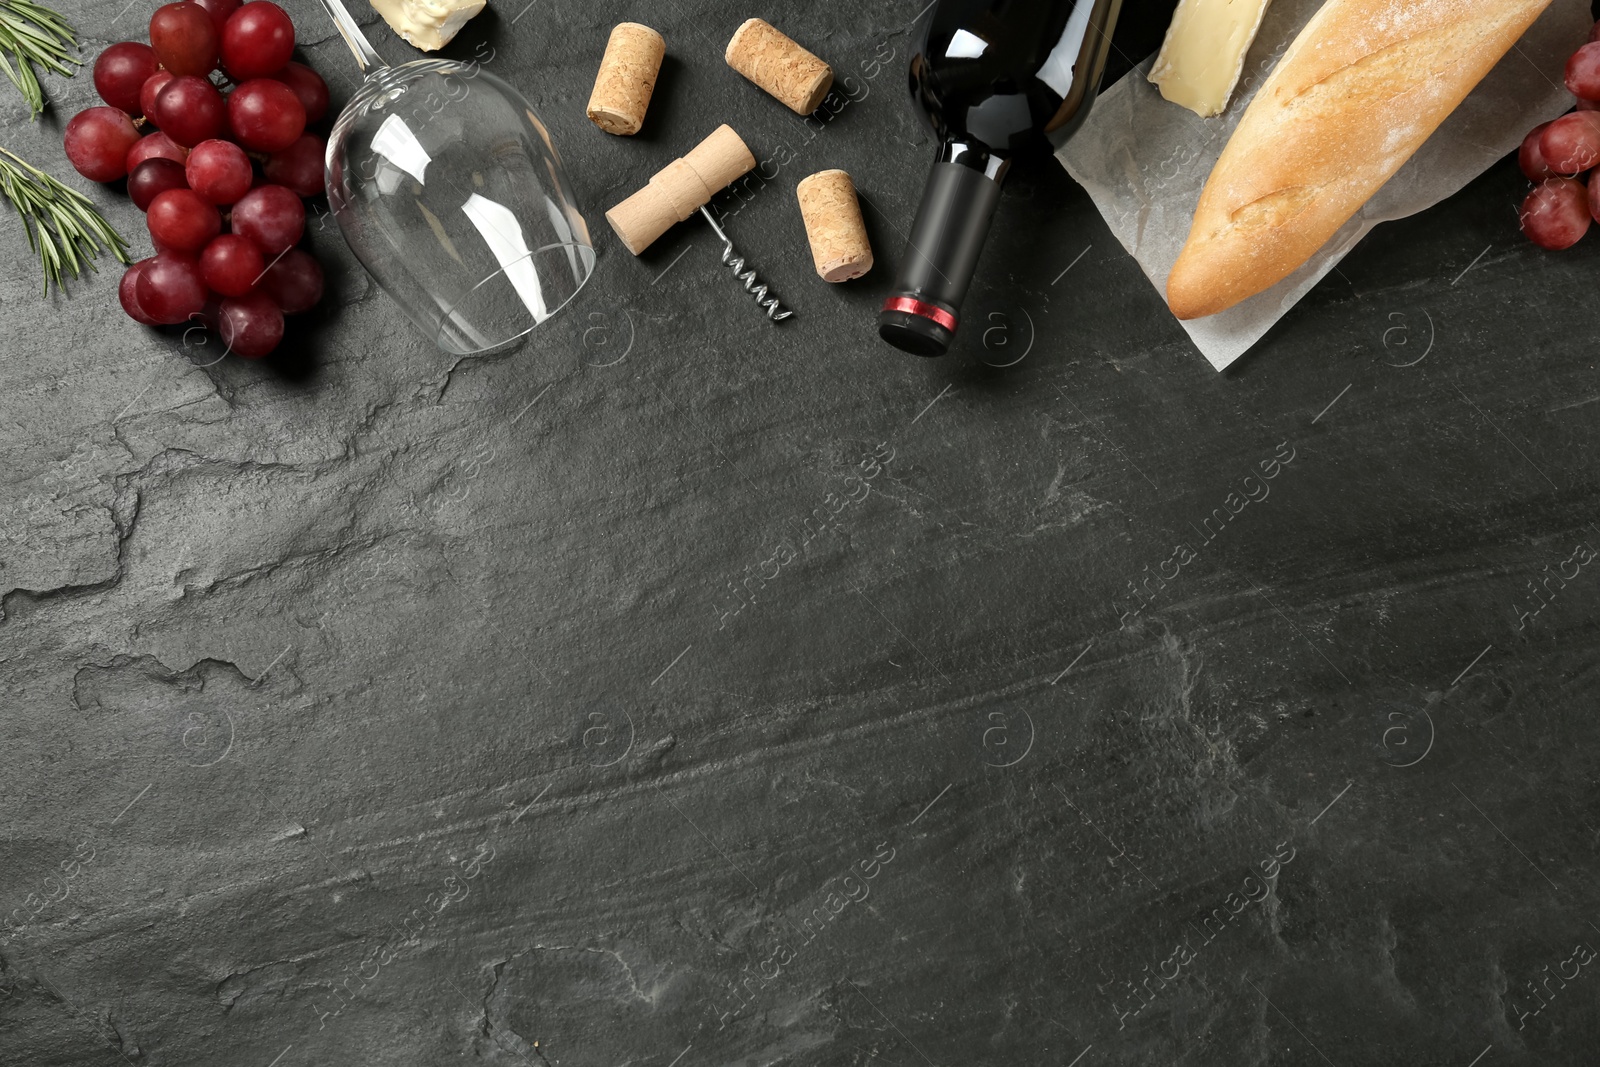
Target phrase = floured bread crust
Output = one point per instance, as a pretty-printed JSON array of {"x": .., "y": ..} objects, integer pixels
[{"x": 1356, "y": 94}]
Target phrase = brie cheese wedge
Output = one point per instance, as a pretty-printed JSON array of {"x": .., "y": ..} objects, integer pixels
[
  {"x": 1203, "y": 54},
  {"x": 427, "y": 24}
]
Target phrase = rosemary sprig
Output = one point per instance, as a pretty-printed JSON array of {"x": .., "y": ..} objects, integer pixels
[
  {"x": 33, "y": 34},
  {"x": 61, "y": 223}
]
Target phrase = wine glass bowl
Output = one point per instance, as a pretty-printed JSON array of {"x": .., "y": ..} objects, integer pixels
[{"x": 450, "y": 192}]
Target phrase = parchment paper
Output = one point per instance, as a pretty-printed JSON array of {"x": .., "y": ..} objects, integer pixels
[{"x": 1144, "y": 160}]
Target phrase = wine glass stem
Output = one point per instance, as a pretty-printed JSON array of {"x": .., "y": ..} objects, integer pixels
[{"x": 366, "y": 57}]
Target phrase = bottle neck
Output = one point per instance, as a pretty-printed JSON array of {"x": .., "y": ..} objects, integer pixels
[
  {"x": 923, "y": 311},
  {"x": 975, "y": 156}
]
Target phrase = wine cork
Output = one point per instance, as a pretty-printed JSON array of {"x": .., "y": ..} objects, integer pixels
[
  {"x": 764, "y": 55},
  {"x": 838, "y": 235},
  {"x": 680, "y": 188},
  {"x": 626, "y": 79}
]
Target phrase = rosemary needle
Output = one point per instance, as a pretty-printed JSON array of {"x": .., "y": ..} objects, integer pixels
[
  {"x": 61, "y": 223},
  {"x": 33, "y": 34}
]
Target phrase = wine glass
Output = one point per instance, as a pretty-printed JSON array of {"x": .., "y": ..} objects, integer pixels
[{"x": 449, "y": 191}]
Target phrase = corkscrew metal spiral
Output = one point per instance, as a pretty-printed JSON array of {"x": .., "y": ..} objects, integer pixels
[{"x": 752, "y": 284}]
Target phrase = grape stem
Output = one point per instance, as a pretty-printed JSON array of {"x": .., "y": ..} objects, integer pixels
[
  {"x": 32, "y": 34},
  {"x": 62, "y": 224}
]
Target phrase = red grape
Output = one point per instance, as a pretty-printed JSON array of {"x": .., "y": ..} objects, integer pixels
[
  {"x": 1556, "y": 214},
  {"x": 156, "y": 146},
  {"x": 152, "y": 178},
  {"x": 147, "y": 92},
  {"x": 97, "y": 141},
  {"x": 231, "y": 265},
  {"x": 1530, "y": 159},
  {"x": 1583, "y": 72},
  {"x": 1585, "y": 105},
  {"x": 258, "y": 40},
  {"x": 1594, "y": 33},
  {"x": 129, "y": 298},
  {"x": 190, "y": 110},
  {"x": 181, "y": 221},
  {"x": 270, "y": 215},
  {"x": 1571, "y": 144},
  {"x": 121, "y": 71},
  {"x": 308, "y": 86},
  {"x": 219, "y": 171},
  {"x": 169, "y": 287},
  {"x": 298, "y": 167},
  {"x": 264, "y": 114},
  {"x": 227, "y": 133},
  {"x": 293, "y": 281},
  {"x": 184, "y": 38},
  {"x": 220, "y": 11},
  {"x": 251, "y": 326}
]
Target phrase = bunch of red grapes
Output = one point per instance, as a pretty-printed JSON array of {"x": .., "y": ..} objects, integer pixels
[
  {"x": 1557, "y": 155},
  {"x": 195, "y": 174}
]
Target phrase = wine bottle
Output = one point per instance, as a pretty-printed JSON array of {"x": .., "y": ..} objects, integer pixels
[{"x": 995, "y": 80}]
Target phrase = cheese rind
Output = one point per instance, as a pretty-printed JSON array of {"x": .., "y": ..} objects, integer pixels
[
  {"x": 1203, "y": 54},
  {"x": 427, "y": 24}
]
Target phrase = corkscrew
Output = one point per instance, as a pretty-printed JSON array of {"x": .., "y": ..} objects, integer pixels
[{"x": 752, "y": 284}]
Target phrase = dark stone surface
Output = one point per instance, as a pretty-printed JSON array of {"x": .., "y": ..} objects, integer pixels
[{"x": 295, "y": 653}]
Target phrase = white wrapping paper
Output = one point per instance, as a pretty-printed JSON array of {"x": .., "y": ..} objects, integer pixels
[{"x": 1144, "y": 160}]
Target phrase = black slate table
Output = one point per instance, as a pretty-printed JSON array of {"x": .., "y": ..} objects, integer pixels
[{"x": 682, "y": 690}]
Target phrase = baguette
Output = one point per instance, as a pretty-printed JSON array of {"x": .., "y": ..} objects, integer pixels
[{"x": 1356, "y": 94}]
